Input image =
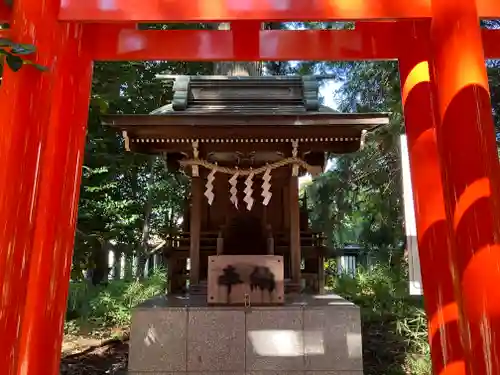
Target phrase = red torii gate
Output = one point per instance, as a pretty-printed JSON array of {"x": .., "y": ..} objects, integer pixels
[{"x": 441, "y": 51}]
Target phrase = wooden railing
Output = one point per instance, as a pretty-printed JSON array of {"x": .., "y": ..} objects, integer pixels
[
  {"x": 179, "y": 244},
  {"x": 181, "y": 241}
]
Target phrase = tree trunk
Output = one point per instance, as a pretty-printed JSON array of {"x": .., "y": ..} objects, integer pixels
[
  {"x": 143, "y": 253},
  {"x": 238, "y": 68},
  {"x": 100, "y": 270}
]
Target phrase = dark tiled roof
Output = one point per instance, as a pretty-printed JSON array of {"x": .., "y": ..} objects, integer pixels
[{"x": 244, "y": 95}]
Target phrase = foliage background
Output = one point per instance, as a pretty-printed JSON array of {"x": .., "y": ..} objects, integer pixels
[
  {"x": 128, "y": 200},
  {"x": 126, "y": 197}
]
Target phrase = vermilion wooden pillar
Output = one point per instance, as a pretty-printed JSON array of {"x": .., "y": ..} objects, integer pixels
[
  {"x": 467, "y": 148},
  {"x": 41, "y": 149},
  {"x": 59, "y": 187},
  {"x": 24, "y": 105},
  {"x": 432, "y": 231}
]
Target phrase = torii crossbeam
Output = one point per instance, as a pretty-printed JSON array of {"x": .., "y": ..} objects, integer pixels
[{"x": 441, "y": 51}]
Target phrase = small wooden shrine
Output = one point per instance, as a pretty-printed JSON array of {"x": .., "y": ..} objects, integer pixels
[{"x": 245, "y": 141}]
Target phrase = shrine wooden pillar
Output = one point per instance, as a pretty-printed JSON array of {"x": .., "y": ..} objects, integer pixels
[
  {"x": 321, "y": 274},
  {"x": 468, "y": 152},
  {"x": 195, "y": 230},
  {"x": 432, "y": 230},
  {"x": 294, "y": 209}
]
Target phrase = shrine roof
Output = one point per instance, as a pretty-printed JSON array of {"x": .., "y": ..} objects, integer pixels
[
  {"x": 261, "y": 100},
  {"x": 216, "y": 109},
  {"x": 228, "y": 94},
  {"x": 221, "y": 109},
  {"x": 220, "y": 95}
]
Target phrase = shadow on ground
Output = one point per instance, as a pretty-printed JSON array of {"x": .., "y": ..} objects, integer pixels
[
  {"x": 110, "y": 358},
  {"x": 384, "y": 351}
]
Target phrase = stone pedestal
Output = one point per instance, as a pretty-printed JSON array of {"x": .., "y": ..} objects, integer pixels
[{"x": 313, "y": 335}]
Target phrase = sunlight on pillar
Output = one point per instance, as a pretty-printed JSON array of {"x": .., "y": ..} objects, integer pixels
[
  {"x": 130, "y": 41},
  {"x": 454, "y": 368},
  {"x": 471, "y": 75},
  {"x": 372, "y": 8},
  {"x": 479, "y": 189},
  {"x": 442, "y": 317},
  {"x": 419, "y": 74},
  {"x": 481, "y": 283},
  {"x": 432, "y": 211},
  {"x": 347, "y": 6},
  {"x": 468, "y": 60},
  {"x": 217, "y": 8}
]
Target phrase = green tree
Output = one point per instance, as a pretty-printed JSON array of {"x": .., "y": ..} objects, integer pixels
[
  {"x": 122, "y": 200},
  {"x": 360, "y": 197}
]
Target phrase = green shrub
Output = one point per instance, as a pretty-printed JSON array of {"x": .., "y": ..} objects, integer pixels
[
  {"x": 110, "y": 305},
  {"x": 394, "y": 323}
]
